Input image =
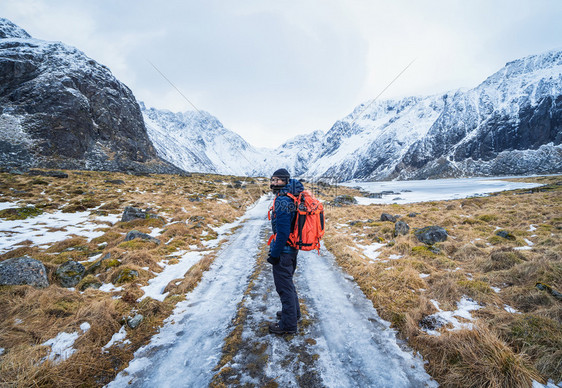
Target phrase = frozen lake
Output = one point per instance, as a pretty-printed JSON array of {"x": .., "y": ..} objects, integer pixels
[{"x": 434, "y": 190}]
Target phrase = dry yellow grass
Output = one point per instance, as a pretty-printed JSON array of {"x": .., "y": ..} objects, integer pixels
[
  {"x": 187, "y": 207},
  {"x": 507, "y": 349}
]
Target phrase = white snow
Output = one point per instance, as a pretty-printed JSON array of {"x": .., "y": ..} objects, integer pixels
[
  {"x": 356, "y": 347},
  {"x": 371, "y": 251},
  {"x": 424, "y": 275},
  {"x": 434, "y": 189},
  {"x": 1, "y": 351},
  {"x": 549, "y": 384},
  {"x": 109, "y": 287},
  {"x": 62, "y": 344},
  {"x": 510, "y": 309},
  {"x": 117, "y": 337},
  {"x": 532, "y": 228},
  {"x": 496, "y": 289},
  {"x": 156, "y": 285},
  {"x": 464, "y": 307},
  {"x": 36, "y": 229},
  {"x": 189, "y": 344}
]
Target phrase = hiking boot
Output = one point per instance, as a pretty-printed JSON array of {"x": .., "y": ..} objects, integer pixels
[
  {"x": 278, "y": 314},
  {"x": 275, "y": 329}
]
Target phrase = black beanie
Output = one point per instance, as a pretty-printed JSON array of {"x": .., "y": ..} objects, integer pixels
[{"x": 283, "y": 174}]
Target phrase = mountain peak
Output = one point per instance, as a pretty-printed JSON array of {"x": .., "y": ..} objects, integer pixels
[{"x": 10, "y": 30}]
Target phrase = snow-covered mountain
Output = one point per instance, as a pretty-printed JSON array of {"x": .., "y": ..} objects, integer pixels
[
  {"x": 61, "y": 109},
  {"x": 198, "y": 142},
  {"x": 509, "y": 124}
]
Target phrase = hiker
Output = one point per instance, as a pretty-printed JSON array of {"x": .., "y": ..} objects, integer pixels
[{"x": 282, "y": 256}]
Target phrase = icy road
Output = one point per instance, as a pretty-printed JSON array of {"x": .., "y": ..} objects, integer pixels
[{"x": 344, "y": 343}]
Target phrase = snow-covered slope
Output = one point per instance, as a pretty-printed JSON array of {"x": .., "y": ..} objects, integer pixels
[
  {"x": 196, "y": 141},
  {"x": 509, "y": 124}
]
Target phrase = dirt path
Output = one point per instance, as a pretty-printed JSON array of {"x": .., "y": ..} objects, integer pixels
[{"x": 219, "y": 334}]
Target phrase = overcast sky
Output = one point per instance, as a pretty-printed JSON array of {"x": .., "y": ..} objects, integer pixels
[{"x": 270, "y": 70}]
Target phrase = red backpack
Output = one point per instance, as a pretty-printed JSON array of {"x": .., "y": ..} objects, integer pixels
[{"x": 309, "y": 222}]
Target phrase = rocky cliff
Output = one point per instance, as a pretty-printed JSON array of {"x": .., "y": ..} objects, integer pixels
[{"x": 61, "y": 109}]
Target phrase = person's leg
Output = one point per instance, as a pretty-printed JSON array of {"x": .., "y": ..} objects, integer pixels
[
  {"x": 283, "y": 278},
  {"x": 296, "y": 295}
]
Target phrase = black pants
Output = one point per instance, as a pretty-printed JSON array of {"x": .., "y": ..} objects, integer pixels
[{"x": 283, "y": 277}]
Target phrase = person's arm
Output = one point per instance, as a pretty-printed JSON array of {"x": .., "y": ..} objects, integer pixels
[{"x": 284, "y": 212}]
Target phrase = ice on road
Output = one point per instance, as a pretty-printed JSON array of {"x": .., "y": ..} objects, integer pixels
[
  {"x": 189, "y": 344},
  {"x": 356, "y": 347}
]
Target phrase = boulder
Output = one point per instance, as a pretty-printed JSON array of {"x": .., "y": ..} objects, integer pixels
[
  {"x": 70, "y": 273},
  {"x": 344, "y": 200},
  {"x": 97, "y": 265},
  {"x": 133, "y": 234},
  {"x": 115, "y": 181},
  {"x": 23, "y": 270},
  {"x": 413, "y": 214},
  {"x": 126, "y": 275},
  {"x": 401, "y": 228},
  {"x": 431, "y": 234},
  {"x": 135, "y": 321},
  {"x": 506, "y": 235},
  {"x": 388, "y": 217},
  {"x": 133, "y": 213}
]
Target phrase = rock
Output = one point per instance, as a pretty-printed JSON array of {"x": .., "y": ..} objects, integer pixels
[
  {"x": 133, "y": 234},
  {"x": 54, "y": 174},
  {"x": 115, "y": 181},
  {"x": 23, "y": 270},
  {"x": 70, "y": 273},
  {"x": 96, "y": 265},
  {"x": 388, "y": 217},
  {"x": 341, "y": 200},
  {"x": 505, "y": 234},
  {"x": 431, "y": 234},
  {"x": 401, "y": 228},
  {"x": 89, "y": 281},
  {"x": 126, "y": 275},
  {"x": 372, "y": 195},
  {"x": 133, "y": 213},
  {"x": 135, "y": 321},
  {"x": 412, "y": 215},
  {"x": 550, "y": 290}
]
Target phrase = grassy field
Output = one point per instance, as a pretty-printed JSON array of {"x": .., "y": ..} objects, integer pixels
[
  {"x": 516, "y": 333},
  {"x": 514, "y": 336},
  {"x": 187, "y": 210}
]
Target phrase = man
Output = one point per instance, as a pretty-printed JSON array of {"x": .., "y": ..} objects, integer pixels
[{"x": 282, "y": 256}]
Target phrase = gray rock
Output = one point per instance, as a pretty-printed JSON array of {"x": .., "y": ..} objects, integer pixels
[
  {"x": 23, "y": 270},
  {"x": 135, "y": 321},
  {"x": 97, "y": 265},
  {"x": 115, "y": 181},
  {"x": 506, "y": 235},
  {"x": 431, "y": 234},
  {"x": 413, "y": 214},
  {"x": 401, "y": 228},
  {"x": 388, "y": 217},
  {"x": 132, "y": 213},
  {"x": 70, "y": 273},
  {"x": 133, "y": 234},
  {"x": 344, "y": 200},
  {"x": 126, "y": 275},
  {"x": 54, "y": 174}
]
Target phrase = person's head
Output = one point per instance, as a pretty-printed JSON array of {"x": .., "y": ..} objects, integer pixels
[{"x": 279, "y": 179}]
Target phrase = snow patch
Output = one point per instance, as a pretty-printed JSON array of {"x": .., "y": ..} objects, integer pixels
[
  {"x": 156, "y": 285},
  {"x": 443, "y": 318}
]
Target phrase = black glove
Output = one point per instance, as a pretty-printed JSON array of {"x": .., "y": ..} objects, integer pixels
[{"x": 272, "y": 260}]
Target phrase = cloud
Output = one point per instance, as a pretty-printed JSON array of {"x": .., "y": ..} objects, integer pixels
[{"x": 272, "y": 70}]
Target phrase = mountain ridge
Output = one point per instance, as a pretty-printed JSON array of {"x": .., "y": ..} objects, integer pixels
[{"x": 508, "y": 124}]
